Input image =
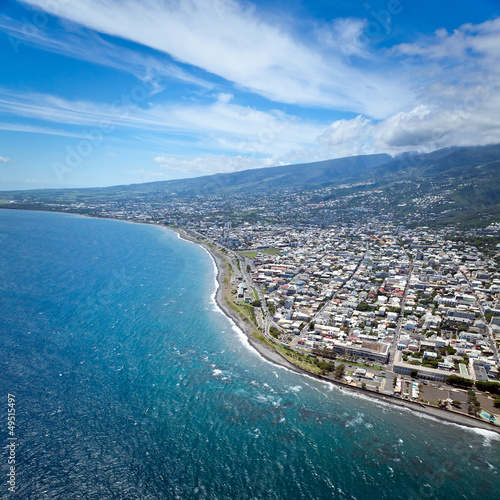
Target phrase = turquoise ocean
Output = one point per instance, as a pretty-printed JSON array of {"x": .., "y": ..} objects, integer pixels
[{"x": 131, "y": 384}]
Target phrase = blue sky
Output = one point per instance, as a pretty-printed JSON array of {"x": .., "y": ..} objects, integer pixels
[{"x": 97, "y": 93}]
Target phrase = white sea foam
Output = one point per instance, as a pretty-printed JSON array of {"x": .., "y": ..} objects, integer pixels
[
  {"x": 256, "y": 433},
  {"x": 488, "y": 436},
  {"x": 356, "y": 421},
  {"x": 275, "y": 401}
]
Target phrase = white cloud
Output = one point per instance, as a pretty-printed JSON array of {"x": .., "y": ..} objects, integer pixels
[
  {"x": 459, "y": 95},
  {"x": 5, "y": 159},
  {"x": 348, "y": 137},
  {"x": 219, "y": 124},
  {"x": 425, "y": 128},
  {"x": 231, "y": 40},
  {"x": 468, "y": 40},
  {"x": 453, "y": 99},
  {"x": 345, "y": 35},
  {"x": 19, "y": 127},
  {"x": 210, "y": 164},
  {"x": 89, "y": 46}
]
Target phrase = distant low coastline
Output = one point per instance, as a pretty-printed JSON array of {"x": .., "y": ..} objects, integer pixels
[{"x": 273, "y": 356}]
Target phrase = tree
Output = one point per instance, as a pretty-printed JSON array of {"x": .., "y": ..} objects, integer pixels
[
  {"x": 363, "y": 306},
  {"x": 363, "y": 386},
  {"x": 493, "y": 387},
  {"x": 450, "y": 350},
  {"x": 272, "y": 308},
  {"x": 256, "y": 303},
  {"x": 473, "y": 405},
  {"x": 311, "y": 325},
  {"x": 459, "y": 381},
  {"x": 339, "y": 371},
  {"x": 413, "y": 373},
  {"x": 496, "y": 403},
  {"x": 248, "y": 268},
  {"x": 274, "y": 332}
]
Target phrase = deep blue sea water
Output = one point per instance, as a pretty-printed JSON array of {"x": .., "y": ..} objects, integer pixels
[{"x": 131, "y": 384}]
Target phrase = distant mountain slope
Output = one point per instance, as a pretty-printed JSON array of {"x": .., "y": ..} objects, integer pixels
[
  {"x": 294, "y": 177},
  {"x": 449, "y": 185}
]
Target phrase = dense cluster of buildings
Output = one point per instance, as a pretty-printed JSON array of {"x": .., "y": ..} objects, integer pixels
[{"x": 416, "y": 300}]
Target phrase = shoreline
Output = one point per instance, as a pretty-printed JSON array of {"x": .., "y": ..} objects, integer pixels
[
  {"x": 271, "y": 355},
  {"x": 444, "y": 416},
  {"x": 234, "y": 317}
]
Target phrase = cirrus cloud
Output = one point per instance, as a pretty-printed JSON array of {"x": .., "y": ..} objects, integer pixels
[{"x": 232, "y": 40}]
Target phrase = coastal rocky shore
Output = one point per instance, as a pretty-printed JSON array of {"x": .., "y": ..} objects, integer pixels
[{"x": 273, "y": 356}]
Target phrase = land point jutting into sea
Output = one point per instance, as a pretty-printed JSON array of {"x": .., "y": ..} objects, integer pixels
[{"x": 408, "y": 315}]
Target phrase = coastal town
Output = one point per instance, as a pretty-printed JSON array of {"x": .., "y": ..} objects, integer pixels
[{"x": 360, "y": 299}]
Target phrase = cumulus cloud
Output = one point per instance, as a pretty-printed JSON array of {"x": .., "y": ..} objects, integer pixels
[
  {"x": 348, "y": 137},
  {"x": 459, "y": 95},
  {"x": 5, "y": 159},
  {"x": 424, "y": 128},
  {"x": 480, "y": 39}
]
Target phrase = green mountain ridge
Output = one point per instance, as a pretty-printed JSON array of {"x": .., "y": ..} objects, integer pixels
[{"x": 448, "y": 186}]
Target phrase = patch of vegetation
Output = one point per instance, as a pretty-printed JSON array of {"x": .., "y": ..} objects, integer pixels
[
  {"x": 459, "y": 381},
  {"x": 473, "y": 405},
  {"x": 307, "y": 362},
  {"x": 274, "y": 332},
  {"x": 261, "y": 339},
  {"x": 251, "y": 254},
  {"x": 248, "y": 311},
  {"x": 363, "y": 306},
  {"x": 339, "y": 371},
  {"x": 487, "y": 386}
]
